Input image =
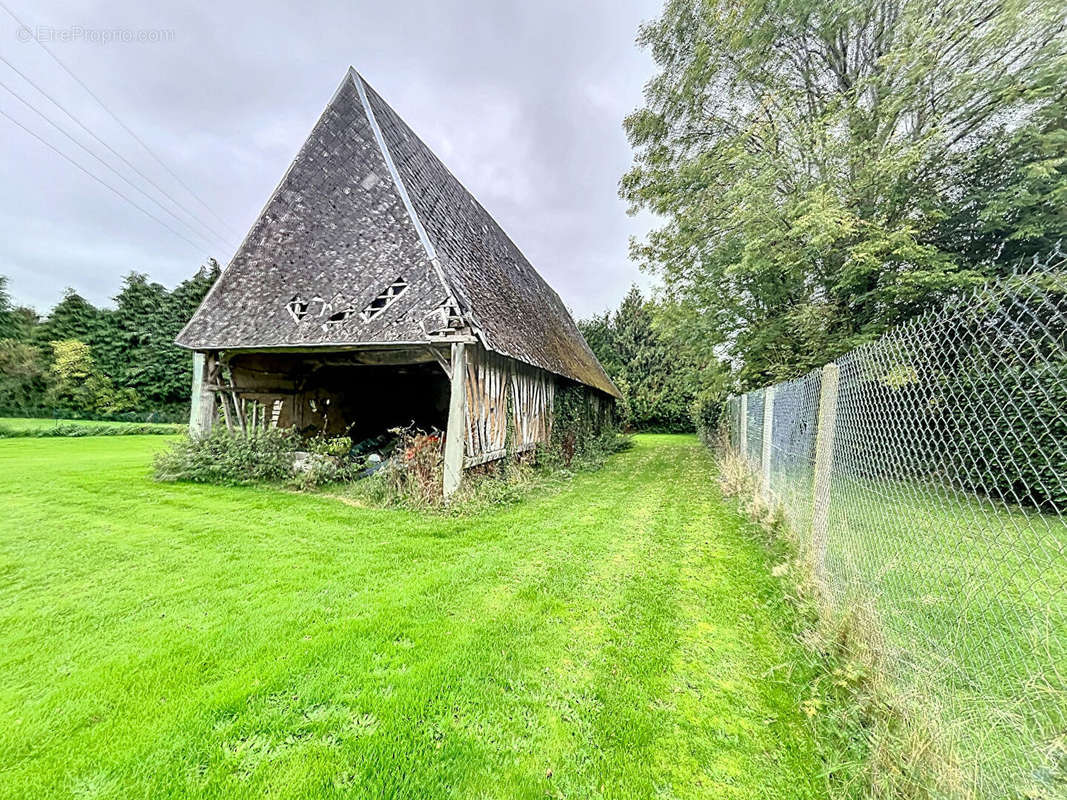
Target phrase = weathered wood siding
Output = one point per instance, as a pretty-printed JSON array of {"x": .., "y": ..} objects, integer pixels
[
  {"x": 487, "y": 406},
  {"x": 509, "y": 406},
  {"x": 532, "y": 392}
]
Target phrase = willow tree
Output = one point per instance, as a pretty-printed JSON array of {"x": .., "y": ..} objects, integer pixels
[{"x": 810, "y": 158}]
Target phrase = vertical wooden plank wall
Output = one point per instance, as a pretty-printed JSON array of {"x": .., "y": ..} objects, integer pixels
[
  {"x": 487, "y": 406},
  {"x": 491, "y": 382},
  {"x": 533, "y": 392}
]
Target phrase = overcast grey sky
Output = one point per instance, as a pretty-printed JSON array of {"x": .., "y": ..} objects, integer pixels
[{"x": 523, "y": 101}]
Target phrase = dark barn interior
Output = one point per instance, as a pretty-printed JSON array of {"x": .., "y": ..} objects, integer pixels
[{"x": 341, "y": 394}]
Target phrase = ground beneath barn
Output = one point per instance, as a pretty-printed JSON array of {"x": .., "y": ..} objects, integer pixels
[{"x": 618, "y": 637}]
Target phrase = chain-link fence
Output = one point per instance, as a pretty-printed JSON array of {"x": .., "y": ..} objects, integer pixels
[{"x": 925, "y": 476}]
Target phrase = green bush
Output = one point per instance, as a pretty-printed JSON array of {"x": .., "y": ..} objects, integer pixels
[
  {"x": 978, "y": 406},
  {"x": 413, "y": 472},
  {"x": 76, "y": 430},
  {"x": 24, "y": 378},
  {"x": 1012, "y": 446},
  {"x": 330, "y": 446},
  {"x": 230, "y": 458},
  {"x": 176, "y": 415},
  {"x": 706, "y": 411},
  {"x": 578, "y": 434},
  {"x": 78, "y": 382},
  {"x": 580, "y": 439}
]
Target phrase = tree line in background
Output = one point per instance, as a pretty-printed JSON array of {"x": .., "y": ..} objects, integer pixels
[
  {"x": 118, "y": 362},
  {"x": 826, "y": 170},
  {"x": 84, "y": 361},
  {"x": 658, "y": 376}
]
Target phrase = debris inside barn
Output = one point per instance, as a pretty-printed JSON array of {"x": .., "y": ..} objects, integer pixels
[{"x": 373, "y": 292}]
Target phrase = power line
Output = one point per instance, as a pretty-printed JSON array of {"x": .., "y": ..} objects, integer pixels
[
  {"x": 99, "y": 180},
  {"x": 113, "y": 115},
  {"x": 121, "y": 177},
  {"x": 207, "y": 226}
]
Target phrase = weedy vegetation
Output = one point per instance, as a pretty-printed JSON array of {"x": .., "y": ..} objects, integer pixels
[
  {"x": 406, "y": 472},
  {"x": 881, "y": 726}
]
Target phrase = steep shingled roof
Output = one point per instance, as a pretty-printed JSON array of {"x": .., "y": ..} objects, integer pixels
[{"x": 366, "y": 205}]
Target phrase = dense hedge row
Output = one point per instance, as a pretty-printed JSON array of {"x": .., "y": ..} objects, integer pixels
[
  {"x": 973, "y": 398},
  {"x": 177, "y": 414},
  {"x": 88, "y": 429}
]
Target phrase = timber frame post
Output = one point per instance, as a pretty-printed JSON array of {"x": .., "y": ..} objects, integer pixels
[
  {"x": 202, "y": 405},
  {"x": 455, "y": 436}
]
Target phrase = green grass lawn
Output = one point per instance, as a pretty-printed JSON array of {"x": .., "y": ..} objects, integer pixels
[
  {"x": 969, "y": 600},
  {"x": 618, "y": 637}
]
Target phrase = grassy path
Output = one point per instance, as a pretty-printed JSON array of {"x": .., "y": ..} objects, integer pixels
[{"x": 617, "y": 638}]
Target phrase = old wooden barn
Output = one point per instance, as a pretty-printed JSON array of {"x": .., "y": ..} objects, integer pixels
[{"x": 374, "y": 291}]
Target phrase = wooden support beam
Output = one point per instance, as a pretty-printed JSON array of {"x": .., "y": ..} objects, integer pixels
[
  {"x": 484, "y": 458},
  {"x": 442, "y": 362},
  {"x": 257, "y": 390},
  {"x": 239, "y": 409},
  {"x": 225, "y": 400},
  {"x": 455, "y": 435},
  {"x": 202, "y": 405}
]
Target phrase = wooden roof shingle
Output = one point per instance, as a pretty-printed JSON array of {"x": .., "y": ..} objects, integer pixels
[{"x": 366, "y": 204}]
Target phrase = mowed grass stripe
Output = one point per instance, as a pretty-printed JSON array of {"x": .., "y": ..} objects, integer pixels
[{"x": 610, "y": 638}]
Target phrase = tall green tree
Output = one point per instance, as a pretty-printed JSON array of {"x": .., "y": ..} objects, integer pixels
[
  {"x": 658, "y": 379},
  {"x": 9, "y": 326},
  {"x": 24, "y": 378},
  {"x": 79, "y": 385},
  {"x": 125, "y": 357},
  {"x": 26, "y": 322},
  {"x": 73, "y": 317},
  {"x": 135, "y": 353},
  {"x": 138, "y": 348},
  {"x": 828, "y": 169},
  {"x": 1010, "y": 194}
]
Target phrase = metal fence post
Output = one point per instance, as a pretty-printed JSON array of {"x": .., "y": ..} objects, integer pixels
[
  {"x": 768, "y": 425},
  {"x": 742, "y": 427},
  {"x": 824, "y": 458}
]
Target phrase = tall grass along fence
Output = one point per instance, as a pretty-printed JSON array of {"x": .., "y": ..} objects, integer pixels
[{"x": 923, "y": 479}]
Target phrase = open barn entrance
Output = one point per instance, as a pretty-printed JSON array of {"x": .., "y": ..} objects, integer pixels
[{"x": 342, "y": 394}]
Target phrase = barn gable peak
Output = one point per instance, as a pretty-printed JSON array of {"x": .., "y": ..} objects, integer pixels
[{"x": 370, "y": 239}]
